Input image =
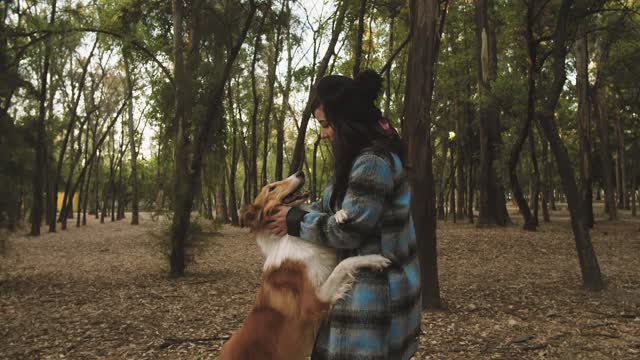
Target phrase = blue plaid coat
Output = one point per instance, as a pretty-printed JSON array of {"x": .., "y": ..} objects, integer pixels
[{"x": 380, "y": 317}]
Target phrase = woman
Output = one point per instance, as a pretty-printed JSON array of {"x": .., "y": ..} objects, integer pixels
[{"x": 380, "y": 317}]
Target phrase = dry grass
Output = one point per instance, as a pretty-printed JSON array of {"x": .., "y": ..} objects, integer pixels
[{"x": 101, "y": 291}]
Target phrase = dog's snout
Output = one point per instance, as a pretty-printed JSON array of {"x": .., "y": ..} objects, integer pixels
[{"x": 300, "y": 174}]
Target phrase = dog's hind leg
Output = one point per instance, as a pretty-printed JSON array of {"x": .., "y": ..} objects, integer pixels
[{"x": 341, "y": 279}]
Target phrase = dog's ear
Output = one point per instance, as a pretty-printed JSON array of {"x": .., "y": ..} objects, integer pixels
[{"x": 249, "y": 215}]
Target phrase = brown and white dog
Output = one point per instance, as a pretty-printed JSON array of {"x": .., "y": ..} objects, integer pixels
[{"x": 300, "y": 283}]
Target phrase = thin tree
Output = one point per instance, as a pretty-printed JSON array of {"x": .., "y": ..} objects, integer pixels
[
  {"x": 601, "y": 113},
  {"x": 535, "y": 196},
  {"x": 621, "y": 173},
  {"x": 584, "y": 120},
  {"x": 591, "y": 276},
  {"x": 297, "y": 160},
  {"x": 186, "y": 178},
  {"x": 280, "y": 119},
  {"x": 65, "y": 140},
  {"x": 274, "y": 55},
  {"x": 253, "y": 175},
  {"x": 126, "y": 56},
  {"x": 417, "y": 131},
  {"x": 40, "y": 145},
  {"x": 233, "y": 166},
  {"x": 357, "y": 49}
]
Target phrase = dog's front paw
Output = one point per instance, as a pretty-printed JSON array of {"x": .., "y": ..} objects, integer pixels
[
  {"x": 376, "y": 262},
  {"x": 341, "y": 217}
]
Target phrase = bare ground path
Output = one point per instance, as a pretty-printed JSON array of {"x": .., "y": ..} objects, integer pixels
[{"x": 101, "y": 291}]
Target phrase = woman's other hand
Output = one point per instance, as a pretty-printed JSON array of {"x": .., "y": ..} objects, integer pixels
[{"x": 277, "y": 220}]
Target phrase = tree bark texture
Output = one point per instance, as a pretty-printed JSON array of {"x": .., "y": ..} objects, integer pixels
[
  {"x": 233, "y": 204},
  {"x": 253, "y": 175},
  {"x": 452, "y": 181},
  {"x": 271, "y": 82},
  {"x": 623, "y": 200},
  {"x": 187, "y": 179},
  {"x": 460, "y": 166},
  {"x": 357, "y": 57},
  {"x": 535, "y": 195},
  {"x": 416, "y": 129},
  {"x": 591, "y": 276},
  {"x": 41, "y": 135},
  {"x": 132, "y": 142},
  {"x": 546, "y": 188},
  {"x": 493, "y": 209},
  {"x": 602, "y": 121},
  {"x": 584, "y": 121}
]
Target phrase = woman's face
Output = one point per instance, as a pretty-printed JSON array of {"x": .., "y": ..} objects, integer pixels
[{"x": 326, "y": 131}]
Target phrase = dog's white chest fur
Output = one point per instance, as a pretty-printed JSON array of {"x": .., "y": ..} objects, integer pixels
[{"x": 320, "y": 260}]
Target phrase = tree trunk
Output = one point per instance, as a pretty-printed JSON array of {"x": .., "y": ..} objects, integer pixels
[
  {"x": 122, "y": 190},
  {"x": 416, "y": 128},
  {"x": 221, "y": 195},
  {"x": 493, "y": 206},
  {"x": 470, "y": 193},
  {"x": 132, "y": 141},
  {"x": 602, "y": 120},
  {"x": 443, "y": 177},
  {"x": 546, "y": 186},
  {"x": 67, "y": 199},
  {"x": 591, "y": 276},
  {"x": 96, "y": 147},
  {"x": 452, "y": 182},
  {"x": 460, "y": 165},
  {"x": 387, "y": 99},
  {"x": 271, "y": 82},
  {"x": 470, "y": 145},
  {"x": 181, "y": 157},
  {"x": 285, "y": 100},
  {"x": 211, "y": 123},
  {"x": 536, "y": 178},
  {"x": 65, "y": 140},
  {"x": 314, "y": 179},
  {"x": 359, "y": 35},
  {"x": 514, "y": 158},
  {"x": 41, "y": 135},
  {"x": 96, "y": 189},
  {"x": 233, "y": 204},
  {"x": 253, "y": 176},
  {"x": 81, "y": 196},
  {"x": 297, "y": 159},
  {"x": 623, "y": 201},
  {"x": 84, "y": 186},
  {"x": 87, "y": 194},
  {"x": 527, "y": 130},
  {"x": 584, "y": 121},
  {"x": 634, "y": 189}
]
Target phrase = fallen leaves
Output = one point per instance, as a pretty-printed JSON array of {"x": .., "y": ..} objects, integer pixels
[{"x": 102, "y": 291}]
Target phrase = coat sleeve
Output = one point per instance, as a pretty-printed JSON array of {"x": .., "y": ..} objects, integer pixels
[{"x": 370, "y": 183}]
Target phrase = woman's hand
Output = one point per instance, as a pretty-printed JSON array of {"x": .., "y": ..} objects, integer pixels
[{"x": 277, "y": 220}]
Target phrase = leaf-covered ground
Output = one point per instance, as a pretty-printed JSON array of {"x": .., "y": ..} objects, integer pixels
[{"x": 101, "y": 291}]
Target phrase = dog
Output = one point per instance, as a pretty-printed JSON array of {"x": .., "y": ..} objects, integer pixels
[{"x": 301, "y": 280}]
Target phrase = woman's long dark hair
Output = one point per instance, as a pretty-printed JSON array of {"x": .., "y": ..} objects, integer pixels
[{"x": 349, "y": 105}]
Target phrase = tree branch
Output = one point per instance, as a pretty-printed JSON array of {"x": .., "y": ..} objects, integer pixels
[
  {"x": 135, "y": 44},
  {"x": 387, "y": 65}
]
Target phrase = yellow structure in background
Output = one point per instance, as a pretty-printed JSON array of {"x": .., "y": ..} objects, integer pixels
[{"x": 74, "y": 203}]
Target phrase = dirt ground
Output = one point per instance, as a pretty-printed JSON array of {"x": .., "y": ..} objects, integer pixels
[{"x": 102, "y": 291}]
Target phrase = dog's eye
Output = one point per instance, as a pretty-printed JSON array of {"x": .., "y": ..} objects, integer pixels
[{"x": 271, "y": 188}]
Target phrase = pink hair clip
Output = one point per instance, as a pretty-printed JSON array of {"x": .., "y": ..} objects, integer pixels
[{"x": 384, "y": 124}]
